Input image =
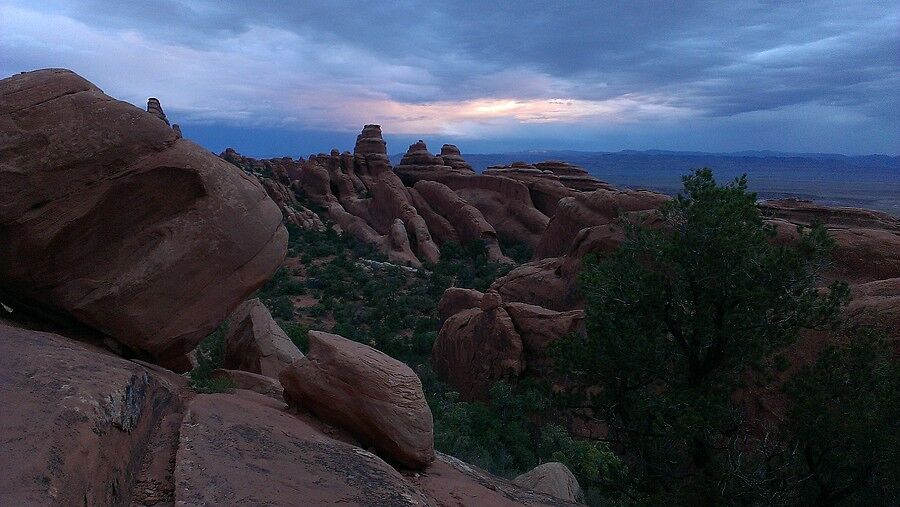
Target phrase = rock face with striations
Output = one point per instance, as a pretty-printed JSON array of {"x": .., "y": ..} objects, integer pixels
[
  {"x": 255, "y": 343},
  {"x": 376, "y": 398},
  {"x": 76, "y": 423},
  {"x": 151, "y": 241}
]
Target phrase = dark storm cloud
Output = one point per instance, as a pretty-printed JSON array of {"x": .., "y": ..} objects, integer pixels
[{"x": 705, "y": 59}]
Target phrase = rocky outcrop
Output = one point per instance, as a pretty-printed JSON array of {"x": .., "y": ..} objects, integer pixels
[
  {"x": 292, "y": 211},
  {"x": 151, "y": 241},
  {"x": 376, "y": 398},
  {"x": 484, "y": 340},
  {"x": 867, "y": 242},
  {"x": 477, "y": 347},
  {"x": 283, "y": 170},
  {"x": 549, "y": 181},
  {"x": 364, "y": 198},
  {"x": 419, "y": 164},
  {"x": 154, "y": 108},
  {"x": 806, "y": 212},
  {"x": 254, "y": 342},
  {"x": 466, "y": 220},
  {"x": 274, "y": 458},
  {"x": 79, "y": 425},
  {"x": 452, "y": 157},
  {"x": 590, "y": 209},
  {"x": 505, "y": 203},
  {"x": 553, "y": 479},
  {"x": 876, "y": 304},
  {"x": 370, "y": 152}
]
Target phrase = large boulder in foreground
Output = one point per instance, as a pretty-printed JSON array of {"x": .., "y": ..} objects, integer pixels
[
  {"x": 77, "y": 425},
  {"x": 374, "y": 397},
  {"x": 255, "y": 343},
  {"x": 108, "y": 218},
  {"x": 553, "y": 479}
]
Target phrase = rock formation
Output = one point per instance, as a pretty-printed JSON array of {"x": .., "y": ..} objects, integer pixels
[
  {"x": 590, "y": 209},
  {"x": 553, "y": 479},
  {"x": 868, "y": 242},
  {"x": 486, "y": 340},
  {"x": 548, "y": 182},
  {"x": 419, "y": 164},
  {"x": 151, "y": 241},
  {"x": 292, "y": 211},
  {"x": 254, "y": 342},
  {"x": 452, "y": 157},
  {"x": 376, "y": 398},
  {"x": 154, "y": 108}
]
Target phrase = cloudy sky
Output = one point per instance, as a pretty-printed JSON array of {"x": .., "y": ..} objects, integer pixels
[{"x": 290, "y": 78}]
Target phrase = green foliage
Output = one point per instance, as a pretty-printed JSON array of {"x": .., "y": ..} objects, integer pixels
[
  {"x": 520, "y": 253},
  {"x": 298, "y": 335},
  {"x": 845, "y": 420},
  {"x": 209, "y": 357},
  {"x": 676, "y": 316},
  {"x": 507, "y": 436},
  {"x": 465, "y": 265}
]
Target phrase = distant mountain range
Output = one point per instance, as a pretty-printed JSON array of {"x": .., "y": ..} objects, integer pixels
[{"x": 870, "y": 181}]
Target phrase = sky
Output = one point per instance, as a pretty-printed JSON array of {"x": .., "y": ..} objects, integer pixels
[{"x": 273, "y": 78}]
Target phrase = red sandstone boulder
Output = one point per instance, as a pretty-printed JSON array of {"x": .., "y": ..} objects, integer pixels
[
  {"x": 374, "y": 397},
  {"x": 539, "y": 329},
  {"x": 540, "y": 283},
  {"x": 553, "y": 479},
  {"x": 254, "y": 342},
  {"x": 484, "y": 340},
  {"x": 151, "y": 240}
]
